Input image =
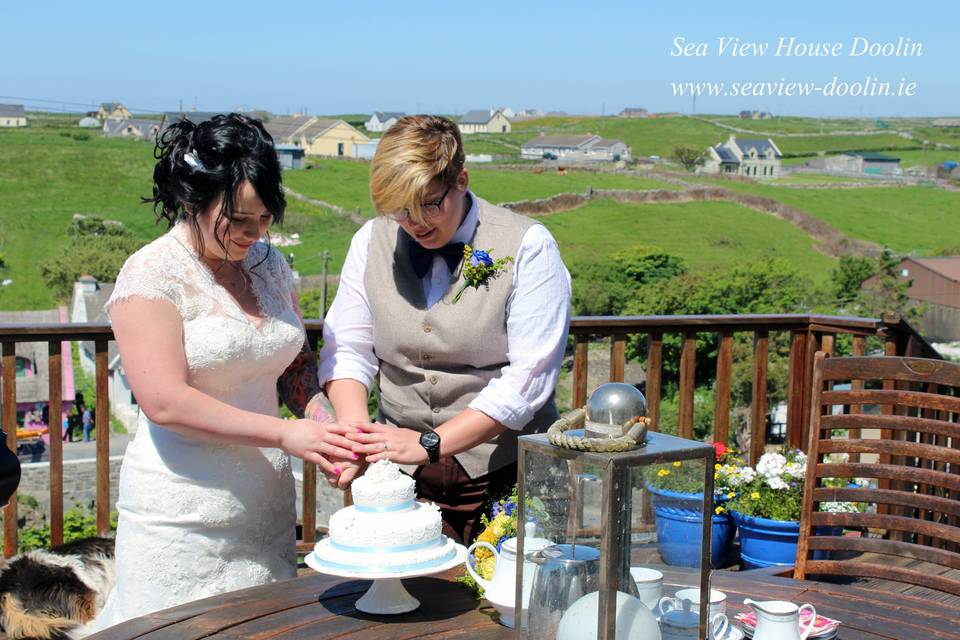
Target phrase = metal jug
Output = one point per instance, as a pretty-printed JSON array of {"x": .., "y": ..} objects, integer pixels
[{"x": 564, "y": 574}]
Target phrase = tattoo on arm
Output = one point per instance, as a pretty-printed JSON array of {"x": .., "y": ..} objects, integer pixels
[{"x": 299, "y": 383}]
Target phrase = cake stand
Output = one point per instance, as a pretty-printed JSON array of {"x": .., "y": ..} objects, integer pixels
[{"x": 387, "y": 596}]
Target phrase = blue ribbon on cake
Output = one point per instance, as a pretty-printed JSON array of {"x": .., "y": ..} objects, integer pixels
[{"x": 403, "y": 506}]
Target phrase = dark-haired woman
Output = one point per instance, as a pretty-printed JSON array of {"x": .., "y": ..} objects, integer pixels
[{"x": 206, "y": 321}]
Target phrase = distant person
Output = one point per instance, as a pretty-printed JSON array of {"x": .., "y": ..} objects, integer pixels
[
  {"x": 207, "y": 323},
  {"x": 87, "y": 421}
]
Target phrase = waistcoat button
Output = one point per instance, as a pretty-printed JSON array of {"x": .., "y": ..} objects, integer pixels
[
  {"x": 426, "y": 329},
  {"x": 436, "y": 409},
  {"x": 433, "y": 380}
]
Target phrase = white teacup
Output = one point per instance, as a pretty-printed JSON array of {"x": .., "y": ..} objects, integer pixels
[
  {"x": 718, "y": 601},
  {"x": 649, "y": 585}
]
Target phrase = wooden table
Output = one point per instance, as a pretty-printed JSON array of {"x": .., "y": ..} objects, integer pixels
[{"x": 317, "y": 606}]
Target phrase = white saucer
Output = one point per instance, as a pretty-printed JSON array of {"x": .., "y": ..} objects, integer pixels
[
  {"x": 733, "y": 633},
  {"x": 829, "y": 635}
]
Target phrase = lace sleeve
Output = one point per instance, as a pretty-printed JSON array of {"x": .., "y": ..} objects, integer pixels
[
  {"x": 284, "y": 275},
  {"x": 149, "y": 274}
]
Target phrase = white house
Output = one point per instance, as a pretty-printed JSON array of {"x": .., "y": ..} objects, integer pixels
[
  {"x": 382, "y": 120},
  {"x": 12, "y": 115},
  {"x": 89, "y": 296},
  {"x": 484, "y": 121},
  {"x": 575, "y": 148},
  {"x": 756, "y": 158},
  {"x": 89, "y": 122}
]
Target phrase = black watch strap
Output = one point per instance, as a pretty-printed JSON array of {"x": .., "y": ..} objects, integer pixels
[{"x": 430, "y": 441}]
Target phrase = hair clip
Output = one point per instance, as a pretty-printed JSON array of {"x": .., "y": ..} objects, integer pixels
[{"x": 193, "y": 160}]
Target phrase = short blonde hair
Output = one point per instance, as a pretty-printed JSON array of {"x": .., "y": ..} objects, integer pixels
[{"x": 414, "y": 151}]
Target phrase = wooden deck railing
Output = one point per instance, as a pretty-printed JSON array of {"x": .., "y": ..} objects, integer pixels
[{"x": 808, "y": 334}]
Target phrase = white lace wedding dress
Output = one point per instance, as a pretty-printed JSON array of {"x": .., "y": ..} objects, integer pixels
[{"x": 199, "y": 519}]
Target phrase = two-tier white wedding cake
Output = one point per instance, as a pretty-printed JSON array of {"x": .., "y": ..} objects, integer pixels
[{"x": 386, "y": 530}]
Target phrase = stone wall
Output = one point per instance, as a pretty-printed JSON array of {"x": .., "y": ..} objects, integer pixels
[{"x": 79, "y": 483}]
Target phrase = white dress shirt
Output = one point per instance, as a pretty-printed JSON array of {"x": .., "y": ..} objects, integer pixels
[{"x": 537, "y": 313}]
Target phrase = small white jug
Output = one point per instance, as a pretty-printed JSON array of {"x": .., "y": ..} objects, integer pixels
[
  {"x": 780, "y": 620},
  {"x": 501, "y": 589}
]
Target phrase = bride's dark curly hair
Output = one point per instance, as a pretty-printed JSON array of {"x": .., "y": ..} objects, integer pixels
[{"x": 197, "y": 163}]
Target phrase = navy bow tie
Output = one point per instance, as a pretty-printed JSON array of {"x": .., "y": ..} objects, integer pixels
[{"x": 421, "y": 258}]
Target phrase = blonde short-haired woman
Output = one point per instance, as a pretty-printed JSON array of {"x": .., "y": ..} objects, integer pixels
[{"x": 460, "y": 377}]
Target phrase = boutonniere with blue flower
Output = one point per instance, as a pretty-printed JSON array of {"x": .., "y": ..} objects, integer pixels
[{"x": 479, "y": 268}]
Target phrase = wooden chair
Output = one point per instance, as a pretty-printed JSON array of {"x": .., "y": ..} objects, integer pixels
[{"x": 910, "y": 451}]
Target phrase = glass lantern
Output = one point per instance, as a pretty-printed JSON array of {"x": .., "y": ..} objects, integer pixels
[{"x": 629, "y": 558}]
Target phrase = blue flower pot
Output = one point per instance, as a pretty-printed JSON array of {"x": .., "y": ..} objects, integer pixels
[
  {"x": 679, "y": 520},
  {"x": 767, "y": 543}
]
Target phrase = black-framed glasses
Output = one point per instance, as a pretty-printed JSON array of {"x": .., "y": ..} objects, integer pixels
[{"x": 430, "y": 209}]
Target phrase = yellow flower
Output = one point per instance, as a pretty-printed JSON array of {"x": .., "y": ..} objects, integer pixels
[
  {"x": 717, "y": 466},
  {"x": 663, "y": 472},
  {"x": 730, "y": 495},
  {"x": 718, "y": 510},
  {"x": 486, "y": 566},
  {"x": 677, "y": 463},
  {"x": 755, "y": 495}
]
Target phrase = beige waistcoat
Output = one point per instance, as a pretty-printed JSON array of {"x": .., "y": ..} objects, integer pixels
[{"x": 434, "y": 361}]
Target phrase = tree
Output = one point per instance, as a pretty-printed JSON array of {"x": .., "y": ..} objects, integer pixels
[
  {"x": 770, "y": 285},
  {"x": 97, "y": 247},
  {"x": 605, "y": 287},
  {"x": 848, "y": 277},
  {"x": 689, "y": 157}
]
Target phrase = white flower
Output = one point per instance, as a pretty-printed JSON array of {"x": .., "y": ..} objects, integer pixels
[
  {"x": 771, "y": 465},
  {"x": 800, "y": 457},
  {"x": 796, "y": 470},
  {"x": 838, "y": 507},
  {"x": 776, "y": 483}
]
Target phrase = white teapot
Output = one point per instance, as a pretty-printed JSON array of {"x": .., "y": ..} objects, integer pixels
[
  {"x": 501, "y": 590},
  {"x": 780, "y": 620}
]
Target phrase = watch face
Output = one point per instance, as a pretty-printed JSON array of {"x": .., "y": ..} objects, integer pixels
[{"x": 429, "y": 439}]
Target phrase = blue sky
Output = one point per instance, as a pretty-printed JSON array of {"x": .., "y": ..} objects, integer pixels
[{"x": 445, "y": 57}]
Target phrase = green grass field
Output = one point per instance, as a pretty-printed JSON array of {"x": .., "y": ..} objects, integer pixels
[
  {"x": 45, "y": 178},
  {"x": 52, "y": 170},
  {"x": 704, "y": 234},
  {"x": 897, "y": 217},
  {"x": 345, "y": 183}
]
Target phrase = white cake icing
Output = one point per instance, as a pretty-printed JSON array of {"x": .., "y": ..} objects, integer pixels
[
  {"x": 382, "y": 485},
  {"x": 385, "y": 530}
]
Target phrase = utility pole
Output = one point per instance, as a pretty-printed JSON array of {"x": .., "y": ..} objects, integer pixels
[{"x": 323, "y": 285}]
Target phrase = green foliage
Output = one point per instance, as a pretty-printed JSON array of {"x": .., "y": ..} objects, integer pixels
[
  {"x": 762, "y": 286},
  {"x": 100, "y": 256},
  {"x": 78, "y": 523},
  {"x": 689, "y": 157},
  {"x": 848, "y": 276},
  {"x": 704, "y": 401},
  {"x": 605, "y": 287},
  {"x": 3, "y": 260},
  {"x": 873, "y": 286}
]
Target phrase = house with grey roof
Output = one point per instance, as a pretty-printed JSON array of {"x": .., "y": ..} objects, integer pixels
[
  {"x": 87, "y": 305},
  {"x": 382, "y": 120},
  {"x": 575, "y": 148},
  {"x": 113, "y": 111},
  {"x": 12, "y": 115},
  {"x": 32, "y": 363},
  {"x": 484, "y": 121},
  {"x": 131, "y": 128},
  {"x": 757, "y": 158},
  {"x": 634, "y": 112}
]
